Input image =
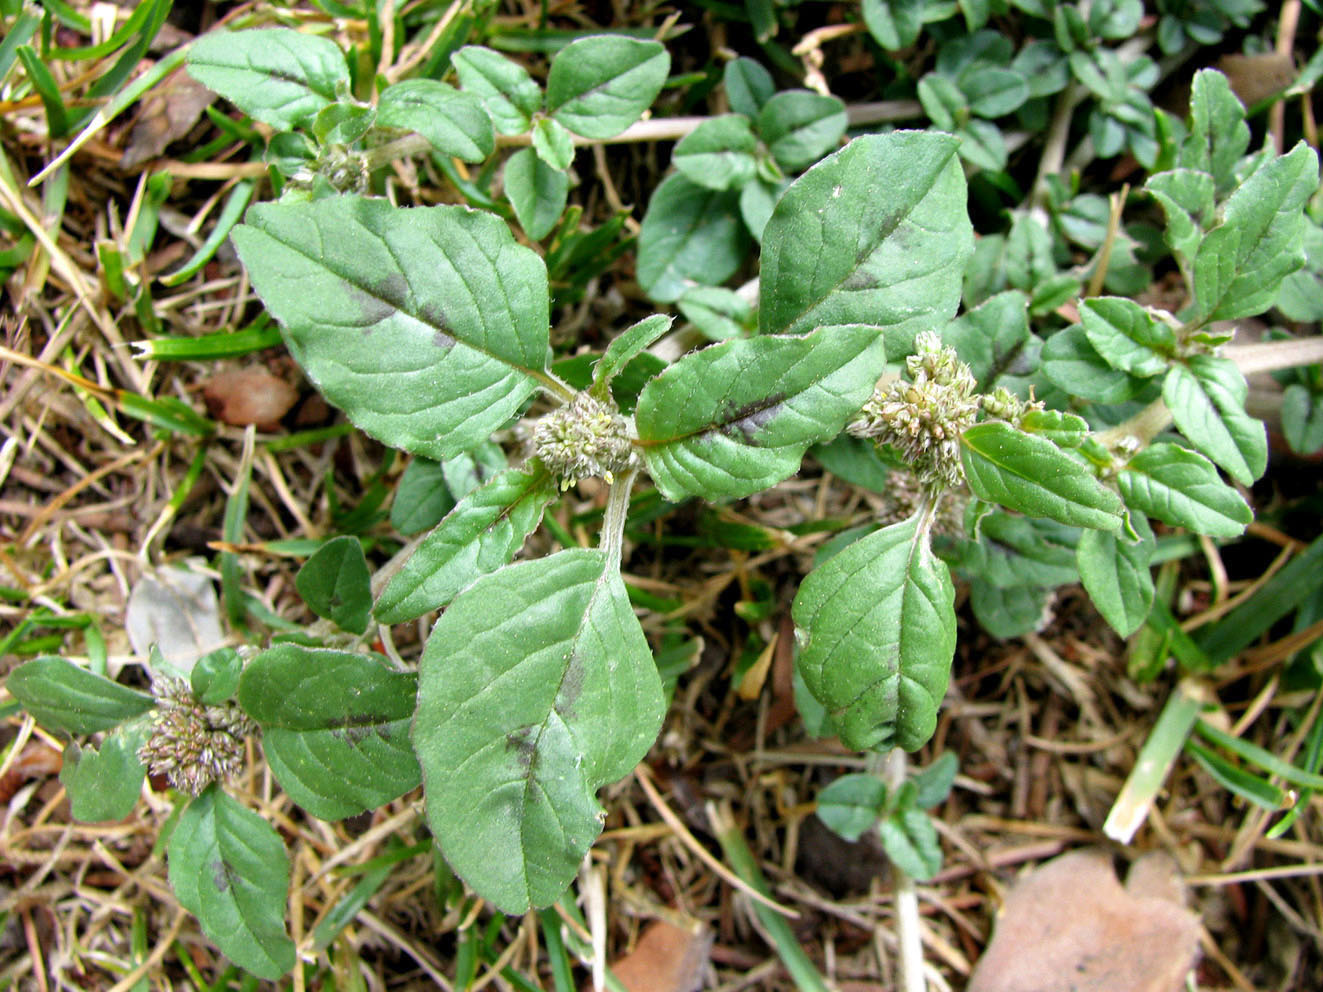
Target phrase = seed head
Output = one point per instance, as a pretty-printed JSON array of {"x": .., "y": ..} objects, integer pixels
[
  {"x": 192, "y": 744},
  {"x": 924, "y": 417},
  {"x": 584, "y": 438}
]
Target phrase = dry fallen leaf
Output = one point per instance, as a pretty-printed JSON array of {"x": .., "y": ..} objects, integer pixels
[
  {"x": 667, "y": 958},
  {"x": 1070, "y": 925},
  {"x": 249, "y": 396},
  {"x": 1257, "y": 77},
  {"x": 176, "y": 610},
  {"x": 167, "y": 114}
]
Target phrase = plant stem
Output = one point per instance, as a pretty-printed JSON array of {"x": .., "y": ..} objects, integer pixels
[
  {"x": 652, "y": 129},
  {"x": 907, "y": 898},
  {"x": 1144, "y": 426},
  {"x": 612, "y": 538}
]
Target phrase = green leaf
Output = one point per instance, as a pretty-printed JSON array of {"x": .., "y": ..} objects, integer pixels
[
  {"x": 933, "y": 784},
  {"x": 104, "y": 784},
  {"x": 228, "y": 868},
  {"x": 942, "y": 101},
  {"x": 1127, "y": 336},
  {"x": 1302, "y": 419},
  {"x": 536, "y": 688},
  {"x": 736, "y": 417},
  {"x": 1070, "y": 362},
  {"x": 505, "y": 87},
  {"x": 852, "y": 804},
  {"x": 421, "y": 497},
  {"x": 1010, "y": 611},
  {"x": 1187, "y": 200},
  {"x": 991, "y": 338},
  {"x": 215, "y": 676},
  {"x": 894, "y": 24},
  {"x": 1016, "y": 551},
  {"x": 1115, "y": 572},
  {"x": 718, "y": 313},
  {"x": 65, "y": 698},
  {"x": 536, "y": 191},
  {"x": 877, "y": 630},
  {"x": 278, "y": 76},
  {"x": 479, "y": 535},
  {"x": 335, "y": 727},
  {"x": 982, "y": 145},
  {"x": 993, "y": 91},
  {"x": 467, "y": 471},
  {"x": 553, "y": 143},
  {"x": 1182, "y": 488},
  {"x": 748, "y": 86},
  {"x": 453, "y": 123},
  {"x": 876, "y": 233},
  {"x": 910, "y": 840},
  {"x": 625, "y": 348},
  {"x": 1065, "y": 430},
  {"x": 800, "y": 126},
  {"x": 600, "y": 85},
  {"x": 690, "y": 235},
  {"x": 336, "y": 585},
  {"x": 342, "y": 123},
  {"x": 718, "y": 154},
  {"x": 428, "y": 326},
  {"x": 1240, "y": 264},
  {"x": 1218, "y": 134},
  {"x": 1206, "y": 397},
  {"x": 1032, "y": 475}
]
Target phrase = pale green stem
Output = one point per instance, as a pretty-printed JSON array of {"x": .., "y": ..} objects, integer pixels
[
  {"x": 908, "y": 935},
  {"x": 652, "y": 129},
  {"x": 612, "y": 539},
  {"x": 556, "y": 386},
  {"x": 1144, "y": 426}
]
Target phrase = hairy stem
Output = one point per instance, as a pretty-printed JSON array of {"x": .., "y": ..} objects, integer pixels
[{"x": 612, "y": 539}]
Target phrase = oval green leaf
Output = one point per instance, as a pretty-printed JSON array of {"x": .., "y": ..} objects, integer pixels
[
  {"x": 278, "y": 76},
  {"x": 736, "y": 417},
  {"x": 536, "y": 688},
  {"x": 63, "y": 697},
  {"x": 336, "y": 585},
  {"x": 877, "y": 233},
  {"x": 600, "y": 85},
  {"x": 228, "y": 868},
  {"x": 1182, "y": 488},
  {"x": 335, "y": 727},
  {"x": 453, "y": 123},
  {"x": 478, "y": 536},
  {"x": 428, "y": 326},
  {"x": 690, "y": 236},
  {"x": 877, "y": 629},
  {"x": 1115, "y": 572},
  {"x": 1032, "y": 475}
]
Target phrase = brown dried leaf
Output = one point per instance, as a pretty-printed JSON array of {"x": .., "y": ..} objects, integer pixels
[
  {"x": 667, "y": 958},
  {"x": 1069, "y": 923},
  {"x": 249, "y": 396},
  {"x": 1257, "y": 77},
  {"x": 167, "y": 114}
]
